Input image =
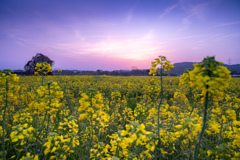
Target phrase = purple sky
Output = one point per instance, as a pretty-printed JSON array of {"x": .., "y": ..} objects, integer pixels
[{"x": 118, "y": 34}]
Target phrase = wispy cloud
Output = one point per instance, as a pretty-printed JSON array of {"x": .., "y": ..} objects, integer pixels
[
  {"x": 187, "y": 37},
  {"x": 167, "y": 51},
  {"x": 129, "y": 16},
  {"x": 198, "y": 45},
  {"x": 102, "y": 23},
  {"x": 197, "y": 11},
  {"x": 168, "y": 10},
  {"x": 228, "y": 24},
  {"x": 221, "y": 37}
]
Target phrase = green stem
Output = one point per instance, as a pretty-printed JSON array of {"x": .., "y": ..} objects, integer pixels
[
  {"x": 158, "y": 123},
  {"x": 191, "y": 101},
  {"x": 189, "y": 146},
  {"x": 191, "y": 96},
  {"x": 203, "y": 127},
  {"x": 49, "y": 89},
  {"x": 161, "y": 96},
  {"x": 42, "y": 78},
  {"x": 3, "y": 125},
  {"x": 220, "y": 134}
]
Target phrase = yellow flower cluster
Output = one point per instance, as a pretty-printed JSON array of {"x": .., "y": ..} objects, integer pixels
[
  {"x": 90, "y": 108},
  {"x": 20, "y": 133},
  {"x": 124, "y": 142},
  {"x": 185, "y": 78},
  {"x": 42, "y": 68},
  {"x": 60, "y": 146},
  {"x": 28, "y": 157},
  {"x": 49, "y": 97},
  {"x": 163, "y": 62},
  {"x": 8, "y": 75},
  {"x": 208, "y": 76}
]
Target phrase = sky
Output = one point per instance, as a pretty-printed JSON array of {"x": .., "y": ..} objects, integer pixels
[{"x": 118, "y": 34}]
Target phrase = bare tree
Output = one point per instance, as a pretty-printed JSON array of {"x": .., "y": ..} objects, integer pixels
[{"x": 39, "y": 58}]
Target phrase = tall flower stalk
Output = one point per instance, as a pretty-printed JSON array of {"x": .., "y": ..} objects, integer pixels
[
  {"x": 211, "y": 78},
  {"x": 163, "y": 63}
]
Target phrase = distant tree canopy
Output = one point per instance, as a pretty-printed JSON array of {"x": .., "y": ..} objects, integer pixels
[{"x": 39, "y": 58}]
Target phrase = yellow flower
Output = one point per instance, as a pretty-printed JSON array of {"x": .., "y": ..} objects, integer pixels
[
  {"x": 163, "y": 62},
  {"x": 163, "y": 152},
  {"x": 46, "y": 151},
  {"x": 71, "y": 151},
  {"x": 25, "y": 125},
  {"x": 25, "y": 132},
  {"x": 154, "y": 64},
  {"x": 152, "y": 148},
  {"x": 20, "y": 136},
  {"x": 13, "y": 156},
  {"x": 142, "y": 127},
  {"x": 124, "y": 133},
  {"x": 178, "y": 126},
  {"x": 53, "y": 149},
  {"x": 209, "y": 152},
  {"x": 64, "y": 147},
  {"x": 15, "y": 139},
  {"x": 47, "y": 144},
  {"x": 30, "y": 129},
  {"x": 134, "y": 137},
  {"x": 146, "y": 132}
]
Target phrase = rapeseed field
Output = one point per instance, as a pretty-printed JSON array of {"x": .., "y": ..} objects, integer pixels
[{"x": 195, "y": 116}]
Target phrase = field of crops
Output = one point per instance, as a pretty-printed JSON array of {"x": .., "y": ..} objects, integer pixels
[{"x": 107, "y": 117}]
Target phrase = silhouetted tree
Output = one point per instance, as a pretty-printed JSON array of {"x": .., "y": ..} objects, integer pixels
[{"x": 39, "y": 58}]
